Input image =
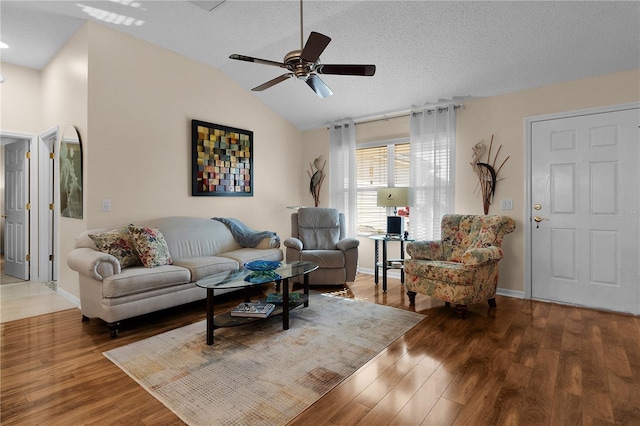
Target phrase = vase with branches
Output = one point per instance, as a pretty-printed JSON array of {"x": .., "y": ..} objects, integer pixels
[
  {"x": 316, "y": 176},
  {"x": 486, "y": 171}
]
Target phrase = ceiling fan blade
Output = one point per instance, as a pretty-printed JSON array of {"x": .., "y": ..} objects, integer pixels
[
  {"x": 273, "y": 82},
  {"x": 257, "y": 60},
  {"x": 318, "y": 86},
  {"x": 316, "y": 43},
  {"x": 361, "y": 70}
]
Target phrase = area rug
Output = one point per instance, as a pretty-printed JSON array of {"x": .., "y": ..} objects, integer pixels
[{"x": 260, "y": 374}]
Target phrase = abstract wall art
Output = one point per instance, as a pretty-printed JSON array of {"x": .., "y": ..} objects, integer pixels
[{"x": 222, "y": 160}]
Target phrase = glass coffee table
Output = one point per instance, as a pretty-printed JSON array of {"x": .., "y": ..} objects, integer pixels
[{"x": 245, "y": 279}]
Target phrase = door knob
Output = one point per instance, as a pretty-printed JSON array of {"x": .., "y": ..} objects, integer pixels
[{"x": 539, "y": 219}]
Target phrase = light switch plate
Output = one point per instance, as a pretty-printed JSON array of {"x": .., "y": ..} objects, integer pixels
[
  {"x": 506, "y": 205},
  {"x": 106, "y": 205}
]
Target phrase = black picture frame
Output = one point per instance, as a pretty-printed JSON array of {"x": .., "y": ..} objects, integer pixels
[{"x": 222, "y": 160}]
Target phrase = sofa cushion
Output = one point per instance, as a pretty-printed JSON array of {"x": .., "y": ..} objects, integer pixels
[
  {"x": 139, "y": 279},
  {"x": 438, "y": 270},
  {"x": 150, "y": 246},
  {"x": 200, "y": 267},
  {"x": 319, "y": 228},
  {"x": 117, "y": 242},
  {"x": 324, "y": 258},
  {"x": 189, "y": 237},
  {"x": 245, "y": 255}
]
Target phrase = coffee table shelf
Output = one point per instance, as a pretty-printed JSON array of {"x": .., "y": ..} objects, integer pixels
[
  {"x": 244, "y": 279},
  {"x": 226, "y": 320}
]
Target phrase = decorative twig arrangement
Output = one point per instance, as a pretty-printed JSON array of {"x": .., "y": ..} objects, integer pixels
[
  {"x": 487, "y": 173},
  {"x": 316, "y": 174}
]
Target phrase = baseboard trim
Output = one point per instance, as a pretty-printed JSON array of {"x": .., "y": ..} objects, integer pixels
[
  {"x": 517, "y": 294},
  {"x": 390, "y": 273},
  {"x": 70, "y": 297}
]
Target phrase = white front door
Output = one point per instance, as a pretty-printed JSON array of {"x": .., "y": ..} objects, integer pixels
[
  {"x": 16, "y": 178},
  {"x": 585, "y": 188}
]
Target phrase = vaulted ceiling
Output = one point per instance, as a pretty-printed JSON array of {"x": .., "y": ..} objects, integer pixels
[{"x": 424, "y": 51}]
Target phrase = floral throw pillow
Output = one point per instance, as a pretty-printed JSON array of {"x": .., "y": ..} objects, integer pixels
[
  {"x": 117, "y": 243},
  {"x": 150, "y": 246}
]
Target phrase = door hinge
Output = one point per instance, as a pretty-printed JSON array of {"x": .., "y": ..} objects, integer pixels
[
  {"x": 51, "y": 258},
  {"x": 28, "y": 257},
  {"x": 52, "y": 155},
  {"x": 28, "y": 206},
  {"x": 28, "y": 154},
  {"x": 52, "y": 206}
]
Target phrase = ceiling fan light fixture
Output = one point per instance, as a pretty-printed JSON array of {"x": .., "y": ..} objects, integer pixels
[{"x": 305, "y": 64}]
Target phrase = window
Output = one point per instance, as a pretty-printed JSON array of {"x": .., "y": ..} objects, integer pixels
[{"x": 379, "y": 165}]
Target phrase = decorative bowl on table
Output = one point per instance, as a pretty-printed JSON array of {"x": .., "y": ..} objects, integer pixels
[
  {"x": 262, "y": 265},
  {"x": 261, "y": 277}
]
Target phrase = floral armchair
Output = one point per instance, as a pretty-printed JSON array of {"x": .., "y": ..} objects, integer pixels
[{"x": 462, "y": 267}]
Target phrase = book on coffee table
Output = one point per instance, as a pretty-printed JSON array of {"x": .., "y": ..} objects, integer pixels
[{"x": 255, "y": 310}]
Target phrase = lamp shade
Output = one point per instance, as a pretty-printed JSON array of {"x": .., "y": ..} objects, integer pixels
[{"x": 393, "y": 197}]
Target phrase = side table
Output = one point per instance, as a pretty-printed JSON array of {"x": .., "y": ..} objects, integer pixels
[{"x": 386, "y": 263}]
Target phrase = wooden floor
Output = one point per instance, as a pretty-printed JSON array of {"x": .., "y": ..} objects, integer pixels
[{"x": 524, "y": 363}]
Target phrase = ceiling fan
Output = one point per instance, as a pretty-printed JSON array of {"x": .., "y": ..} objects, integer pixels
[{"x": 304, "y": 64}]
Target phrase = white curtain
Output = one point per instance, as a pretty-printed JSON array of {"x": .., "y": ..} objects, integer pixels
[
  {"x": 342, "y": 171},
  {"x": 432, "y": 174}
]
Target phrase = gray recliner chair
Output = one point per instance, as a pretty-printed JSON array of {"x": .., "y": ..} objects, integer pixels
[{"x": 319, "y": 235}]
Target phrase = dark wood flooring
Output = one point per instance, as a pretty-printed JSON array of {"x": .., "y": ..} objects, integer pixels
[{"x": 523, "y": 363}]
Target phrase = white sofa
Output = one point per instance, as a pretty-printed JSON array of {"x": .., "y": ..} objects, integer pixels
[{"x": 198, "y": 247}]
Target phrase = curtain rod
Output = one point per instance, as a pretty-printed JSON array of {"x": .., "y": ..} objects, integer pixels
[{"x": 388, "y": 116}]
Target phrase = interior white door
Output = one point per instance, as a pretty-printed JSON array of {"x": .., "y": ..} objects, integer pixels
[
  {"x": 47, "y": 267},
  {"x": 16, "y": 198},
  {"x": 585, "y": 190}
]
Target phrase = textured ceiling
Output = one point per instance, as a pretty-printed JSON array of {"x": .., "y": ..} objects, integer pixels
[{"x": 424, "y": 50}]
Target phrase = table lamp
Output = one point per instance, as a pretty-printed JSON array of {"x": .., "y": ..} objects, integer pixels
[{"x": 394, "y": 197}]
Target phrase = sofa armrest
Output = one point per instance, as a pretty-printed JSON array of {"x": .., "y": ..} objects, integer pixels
[
  {"x": 348, "y": 243},
  {"x": 93, "y": 264},
  {"x": 425, "y": 250},
  {"x": 293, "y": 243},
  {"x": 478, "y": 256}
]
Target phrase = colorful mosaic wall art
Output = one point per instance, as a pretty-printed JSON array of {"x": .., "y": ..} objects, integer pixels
[{"x": 222, "y": 160}]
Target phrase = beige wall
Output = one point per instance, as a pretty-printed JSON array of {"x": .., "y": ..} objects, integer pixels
[
  {"x": 64, "y": 103},
  {"x": 140, "y": 108},
  {"x": 503, "y": 116},
  {"x": 140, "y": 111},
  {"x": 20, "y": 106},
  {"x": 133, "y": 104},
  {"x": 20, "y": 113}
]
